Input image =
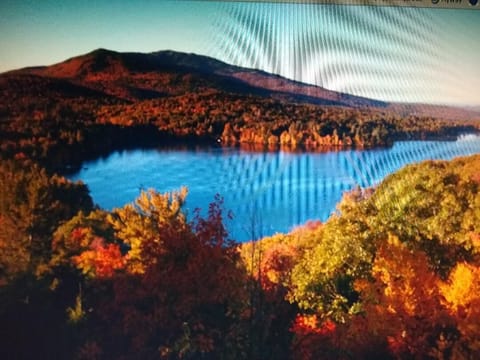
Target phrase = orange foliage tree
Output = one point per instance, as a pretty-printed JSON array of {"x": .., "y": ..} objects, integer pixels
[{"x": 402, "y": 313}]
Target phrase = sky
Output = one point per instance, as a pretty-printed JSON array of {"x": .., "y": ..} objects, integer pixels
[{"x": 386, "y": 53}]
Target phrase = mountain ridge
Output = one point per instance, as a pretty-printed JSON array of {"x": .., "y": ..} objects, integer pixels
[
  {"x": 103, "y": 64},
  {"x": 135, "y": 76}
]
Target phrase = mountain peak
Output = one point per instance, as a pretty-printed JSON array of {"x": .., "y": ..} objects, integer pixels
[
  {"x": 101, "y": 51},
  {"x": 98, "y": 62}
]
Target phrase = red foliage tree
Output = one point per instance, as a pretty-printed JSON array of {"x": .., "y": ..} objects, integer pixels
[{"x": 188, "y": 299}]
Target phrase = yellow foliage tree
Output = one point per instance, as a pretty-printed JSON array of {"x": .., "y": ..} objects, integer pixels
[
  {"x": 139, "y": 222},
  {"x": 461, "y": 294}
]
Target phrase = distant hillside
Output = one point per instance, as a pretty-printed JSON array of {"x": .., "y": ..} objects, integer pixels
[
  {"x": 139, "y": 76},
  {"x": 103, "y": 100}
]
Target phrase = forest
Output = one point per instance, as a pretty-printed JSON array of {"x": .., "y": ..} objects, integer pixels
[
  {"x": 393, "y": 274},
  {"x": 58, "y": 131},
  {"x": 89, "y": 105}
]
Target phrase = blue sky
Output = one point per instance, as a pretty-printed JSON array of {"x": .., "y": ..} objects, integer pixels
[{"x": 395, "y": 54}]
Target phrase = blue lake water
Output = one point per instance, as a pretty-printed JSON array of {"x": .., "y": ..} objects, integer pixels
[{"x": 267, "y": 192}]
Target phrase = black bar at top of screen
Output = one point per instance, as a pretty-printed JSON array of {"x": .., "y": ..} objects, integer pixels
[{"x": 440, "y": 4}]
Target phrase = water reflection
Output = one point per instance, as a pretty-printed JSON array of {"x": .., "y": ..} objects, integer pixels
[{"x": 267, "y": 192}]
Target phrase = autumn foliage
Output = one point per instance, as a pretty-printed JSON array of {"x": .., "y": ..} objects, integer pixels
[{"x": 394, "y": 274}]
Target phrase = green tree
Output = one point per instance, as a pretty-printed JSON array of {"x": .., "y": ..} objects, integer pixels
[{"x": 32, "y": 205}]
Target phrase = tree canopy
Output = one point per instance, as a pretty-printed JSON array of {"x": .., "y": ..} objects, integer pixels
[{"x": 394, "y": 273}]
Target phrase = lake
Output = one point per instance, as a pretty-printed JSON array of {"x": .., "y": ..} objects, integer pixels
[{"x": 267, "y": 192}]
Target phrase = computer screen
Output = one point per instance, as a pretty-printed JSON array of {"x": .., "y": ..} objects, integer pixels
[{"x": 239, "y": 179}]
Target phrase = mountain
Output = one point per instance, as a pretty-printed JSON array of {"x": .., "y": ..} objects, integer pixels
[
  {"x": 139, "y": 76},
  {"x": 91, "y": 104}
]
